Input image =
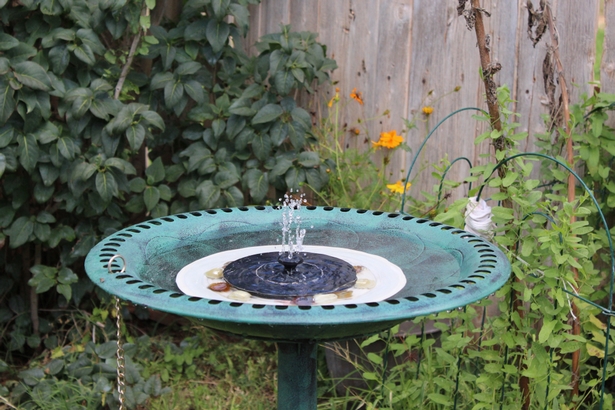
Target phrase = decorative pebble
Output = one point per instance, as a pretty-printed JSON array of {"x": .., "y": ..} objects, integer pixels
[
  {"x": 365, "y": 284},
  {"x": 325, "y": 298},
  {"x": 239, "y": 295},
  {"x": 344, "y": 294},
  {"x": 219, "y": 287},
  {"x": 215, "y": 273},
  {"x": 303, "y": 300}
]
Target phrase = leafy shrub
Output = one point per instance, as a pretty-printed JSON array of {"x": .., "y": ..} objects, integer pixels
[{"x": 108, "y": 117}]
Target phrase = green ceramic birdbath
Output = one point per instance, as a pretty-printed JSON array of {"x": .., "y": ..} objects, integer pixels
[{"x": 441, "y": 268}]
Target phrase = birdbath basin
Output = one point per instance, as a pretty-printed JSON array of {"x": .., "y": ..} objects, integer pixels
[{"x": 433, "y": 267}]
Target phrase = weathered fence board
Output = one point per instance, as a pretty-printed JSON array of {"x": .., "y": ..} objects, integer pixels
[
  {"x": 404, "y": 54},
  {"x": 607, "y": 71}
]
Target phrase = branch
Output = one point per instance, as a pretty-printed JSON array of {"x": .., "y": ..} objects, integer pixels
[
  {"x": 125, "y": 70},
  {"x": 488, "y": 69}
]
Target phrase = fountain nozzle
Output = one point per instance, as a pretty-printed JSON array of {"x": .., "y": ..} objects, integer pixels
[{"x": 290, "y": 261}]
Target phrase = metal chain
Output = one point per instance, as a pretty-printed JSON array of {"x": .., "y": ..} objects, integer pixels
[{"x": 121, "y": 361}]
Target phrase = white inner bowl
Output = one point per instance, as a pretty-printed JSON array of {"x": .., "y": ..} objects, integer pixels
[{"x": 388, "y": 277}]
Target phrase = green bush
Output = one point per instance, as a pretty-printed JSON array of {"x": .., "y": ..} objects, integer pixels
[{"x": 108, "y": 117}]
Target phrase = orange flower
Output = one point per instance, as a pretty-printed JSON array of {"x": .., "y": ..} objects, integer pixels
[
  {"x": 398, "y": 187},
  {"x": 358, "y": 97},
  {"x": 335, "y": 99},
  {"x": 388, "y": 140},
  {"x": 427, "y": 110}
]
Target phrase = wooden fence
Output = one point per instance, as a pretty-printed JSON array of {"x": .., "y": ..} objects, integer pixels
[{"x": 405, "y": 54}]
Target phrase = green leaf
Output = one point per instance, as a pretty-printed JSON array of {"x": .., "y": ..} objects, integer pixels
[
  {"x": 281, "y": 166},
  {"x": 64, "y": 290},
  {"x": 284, "y": 81},
  {"x": 226, "y": 178},
  {"x": 294, "y": 177},
  {"x": 89, "y": 37},
  {"x": 29, "y": 152},
  {"x": 220, "y": 7},
  {"x": 4, "y": 65},
  {"x": 309, "y": 159},
  {"x": 196, "y": 31},
  {"x": 258, "y": 182},
  {"x": 159, "y": 80},
  {"x": 21, "y": 53},
  {"x": 242, "y": 17},
  {"x": 153, "y": 386},
  {"x": 45, "y": 217},
  {"x": 49, "y": 132},
  {"x": 7, "y": 42},
  {"x": 84, "y": 53},
  {"x": 440, "y": 399},
  {"x": 242, "y": 107},
  {"x": 121, "y": 164},
  {"x": 42, "y": 284},
  {"x": 261, "y": 146},
  {"x": 20, "y": 231},
  {"x": 233, "y": 196},
  {"x": 509, "y": 178},
  {"x": 546, "y": 330},
  {"x": 195, "y": 90},
  {"x": 154, "y": 119},
  {"x": 316, "y": 178},
  {"x": 67, "y": 147},
  {"x": 167, "y": 53},
  {"x": 43, "y": 193},
  {"x": 7, "y": 213},
  {"x": 155, "y": 172},
  {"x": 234, "y": 125},
  {"x": 7, "y": 101},
  {"x": 217, "y": 33},
  {"x": 2, "y": 164},
  {"x": 173, "y": 92},
  {"x": 187, "y": 68},
  {"x": 135, "y": 136},
  {"x": 32, "y": 75},
  {"x": 106, "y": 186},
  {"x": 267, "y": 114},
  {"x": 208, "y": 194},
  {"x": 51, "y": 7},
  {"x": 137, "y": 185},
  {"x": 151, "y": 196},
  {"x": 42, "y": 231},
  {"x": 165, "y": 192}
]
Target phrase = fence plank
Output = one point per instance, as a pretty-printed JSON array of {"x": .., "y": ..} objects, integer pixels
[
  {"x": 607, "y": 69},
  {"x": 404, "y": 54}
]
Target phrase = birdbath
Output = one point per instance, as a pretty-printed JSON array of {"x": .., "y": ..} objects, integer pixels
[{"x": 420, "y": 267}]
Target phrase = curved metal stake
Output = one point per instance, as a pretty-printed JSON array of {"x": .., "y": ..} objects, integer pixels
[{"x": 297, "y": 376}]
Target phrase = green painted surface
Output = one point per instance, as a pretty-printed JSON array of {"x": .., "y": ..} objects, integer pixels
[{"x": 445, "y": 268}]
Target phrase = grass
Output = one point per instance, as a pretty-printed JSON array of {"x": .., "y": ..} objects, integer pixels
[{"x": 227, "y": 373}]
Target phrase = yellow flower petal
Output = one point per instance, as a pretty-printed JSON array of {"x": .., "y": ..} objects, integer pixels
[{"x": 389, "y": 140}]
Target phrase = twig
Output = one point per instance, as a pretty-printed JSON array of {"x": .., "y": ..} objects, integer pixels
[
  {"x": 488, "y": 69},
  {"x": 131, "y": 54},
  {"x": 6, "y": 402},
  {"x": 126, "y": 68}
]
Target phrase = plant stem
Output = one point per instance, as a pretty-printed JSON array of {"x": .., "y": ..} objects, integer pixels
[
  {"x": 126, "y": 68},
  {"x": 131, "y": 54},
  {"x": 576, "y": 327},
  {"x": 488, "y": 71}
]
